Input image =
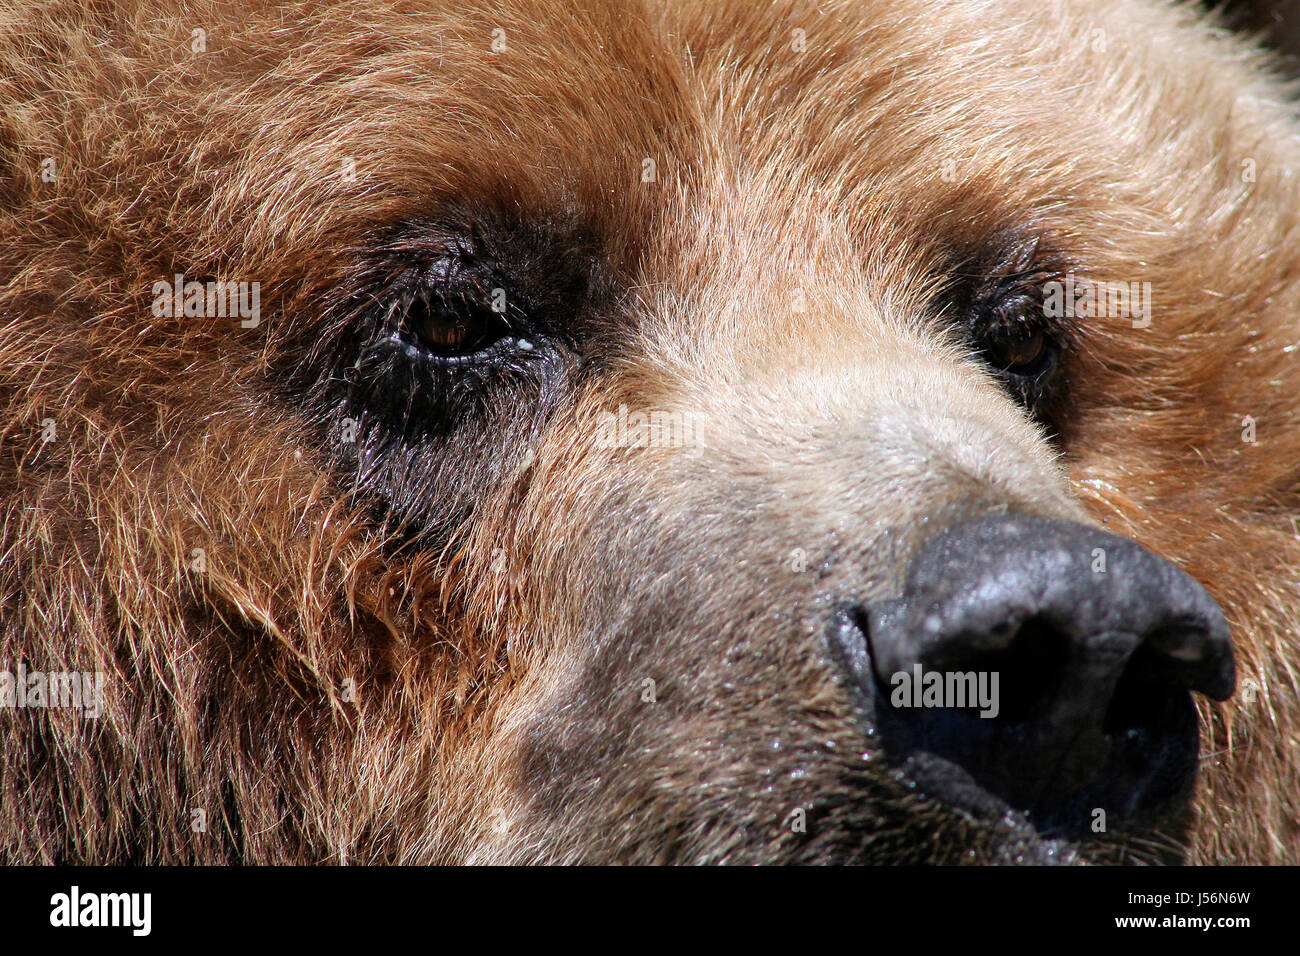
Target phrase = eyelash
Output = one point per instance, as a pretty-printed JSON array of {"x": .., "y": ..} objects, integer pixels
[
  {"x": 494, "y": 332},
  {"x": 1003, "y": 302},
  {"x": 397, "y": 380}
]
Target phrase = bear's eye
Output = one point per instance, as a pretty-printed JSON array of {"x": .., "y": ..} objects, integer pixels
[
  {"x": 1020, "y": 352},
  {"x": 996, "y": 303},
  {"x": 453, "y": 328},
  {"x": 1016, "y": 345}
]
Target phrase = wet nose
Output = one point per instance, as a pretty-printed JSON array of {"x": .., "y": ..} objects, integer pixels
[{"x": 1043, "y": 663}]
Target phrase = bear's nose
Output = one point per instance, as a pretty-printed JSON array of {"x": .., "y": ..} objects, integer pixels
[{"x": 1043, "y": 663}]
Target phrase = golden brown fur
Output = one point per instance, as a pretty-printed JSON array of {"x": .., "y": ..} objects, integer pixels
[{"x": 475, "y": 596}]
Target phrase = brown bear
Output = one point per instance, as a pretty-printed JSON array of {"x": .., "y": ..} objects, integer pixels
[{"x": 647, "y": 432}]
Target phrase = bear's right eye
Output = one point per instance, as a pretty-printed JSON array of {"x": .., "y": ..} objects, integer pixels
[
  {"x": 1023, "y": 354},
  {"x": 446, "y": 341},
  {"x": 462, "y": 328},
  {"x": 454, "y": 329}
]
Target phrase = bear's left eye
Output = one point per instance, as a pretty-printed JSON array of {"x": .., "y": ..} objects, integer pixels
[
  {"x": 1023, "y": 353},
  {"x": 997, "y": 303},
  {"x": 1018, "y": 348}
]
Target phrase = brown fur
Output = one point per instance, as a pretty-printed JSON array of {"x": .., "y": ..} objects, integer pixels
[{"x": 499, "y": 601}]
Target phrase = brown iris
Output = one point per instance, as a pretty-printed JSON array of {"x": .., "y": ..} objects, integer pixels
[
  {"x": 1017, "y": 350},
  {"x": 453, "y": 330}
]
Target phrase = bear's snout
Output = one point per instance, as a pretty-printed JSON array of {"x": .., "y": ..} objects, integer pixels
[{"x": 1044, "y": 665}]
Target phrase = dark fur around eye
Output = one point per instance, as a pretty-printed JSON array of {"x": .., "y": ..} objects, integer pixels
[
  {"x": 412, "y": 376},
  {"x": 994, "y": 302},
  {"x": 428, "y": 365},
  {"x": 441, "y": 321}
]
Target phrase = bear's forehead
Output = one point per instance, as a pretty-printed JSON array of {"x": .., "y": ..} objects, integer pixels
[
  {"x": 682, "y": 140},
  {"x": 783, "y": 122}
]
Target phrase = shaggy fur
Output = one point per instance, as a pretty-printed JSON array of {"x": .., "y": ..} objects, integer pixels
[{"x": 432, "y": 641}]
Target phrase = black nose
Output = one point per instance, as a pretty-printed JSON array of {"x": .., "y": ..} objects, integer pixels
[{"x": 1045, "y": 663}]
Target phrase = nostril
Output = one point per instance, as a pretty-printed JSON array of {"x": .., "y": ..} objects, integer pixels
[
  {"x": 1172, "y": 659},
  {"x": 1179, "y": 641},
  {"x": 1026, "y": 662},
  {"x": 1142, "y": 699},
  {"x": 1030, "y": 670},
  {"x": 1090, "y": 672},
  {"x": 1186, "y": 653}
]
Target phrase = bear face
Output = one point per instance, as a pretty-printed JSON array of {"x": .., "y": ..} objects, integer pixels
[{"x": 518, "y": 433}]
